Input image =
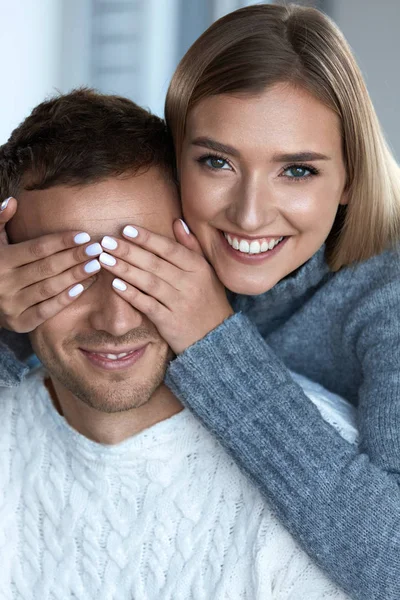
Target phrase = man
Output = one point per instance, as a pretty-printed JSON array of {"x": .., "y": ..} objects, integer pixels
[{"x": 108, "y": 488}]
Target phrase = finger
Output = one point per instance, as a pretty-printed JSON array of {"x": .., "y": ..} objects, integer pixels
[
  {"x": 140, "y": 258},
  {"x": 7, "y": 211},
  {"x": 152, "y": 285},
  {"x": 23, "y": 253},
  {"x": 53, "y": 286},
  {"x": 162, "y": 246},
  {"x": 47, "y": 268},
  {"x": 38, "y": 314},
  {"x": 147, "y": 305},
  {"x": 185, "y": 237}
]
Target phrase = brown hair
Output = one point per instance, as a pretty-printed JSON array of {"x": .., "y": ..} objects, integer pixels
[
  {"x": 82, "y": 137},
  {"x": 258, "y": 46}
]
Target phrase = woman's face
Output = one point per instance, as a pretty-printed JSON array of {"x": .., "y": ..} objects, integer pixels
[{"x": 262, "y": 177}]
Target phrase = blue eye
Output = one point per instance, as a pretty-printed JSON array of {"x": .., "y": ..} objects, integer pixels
[
  {"x": 216, "y": 163},
  {"x": 299, "y": 172}
]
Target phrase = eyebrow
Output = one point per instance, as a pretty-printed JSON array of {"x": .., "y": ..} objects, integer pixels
[
  {"x": 304, "y": 156},
  {"x": 211, "y": 144}
]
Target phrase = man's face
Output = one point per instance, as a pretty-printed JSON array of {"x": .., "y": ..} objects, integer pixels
[{"x": 100, "y": 321}]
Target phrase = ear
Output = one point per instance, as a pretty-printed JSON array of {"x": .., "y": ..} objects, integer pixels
[{"x": 344, "y": 200}]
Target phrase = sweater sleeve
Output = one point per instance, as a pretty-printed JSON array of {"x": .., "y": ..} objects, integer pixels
[
  {"x": 377, "y": 336},
  {"x": 13, "y": 349},
  {"x": 343, "y": 509}
]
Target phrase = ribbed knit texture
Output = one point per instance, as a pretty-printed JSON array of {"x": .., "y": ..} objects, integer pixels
[
  {"x": 342, "y": 330},
  {"x": 165, "y": 515}
]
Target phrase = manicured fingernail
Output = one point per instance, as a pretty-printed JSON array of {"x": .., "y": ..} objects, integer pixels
[
  {"x": 4, "y": 204},
  {"x": 82, "y": 238},
  {"x": 92, "y": 266},
  {"x": 119, "y": 285},
  {"x": 76, "y": 290},
  {"x": 130, "y": 231},
  {"x": 107, "y": 259},
  {"x": 185, "y": 227},
  {"x": 94, "y": 250},
  {"x": 109, "y": 243}
]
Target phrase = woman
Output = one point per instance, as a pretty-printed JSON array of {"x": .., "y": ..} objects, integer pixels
[{"x": 278, "y": 147}]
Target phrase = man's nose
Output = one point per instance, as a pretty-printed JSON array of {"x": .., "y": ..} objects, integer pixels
[
  {"x": 108, "y": 311},
  {"x": 253, "y": 206}
]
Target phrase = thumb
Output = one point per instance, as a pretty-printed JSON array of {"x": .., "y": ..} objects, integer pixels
[
  {"x": 7, "y": 211},
  {"x": 185, "y": 237}
]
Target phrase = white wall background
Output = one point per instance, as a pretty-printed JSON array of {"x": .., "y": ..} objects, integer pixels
[
  {"x": 373, "y": 30},
  {"x": 30, "y": 50}
]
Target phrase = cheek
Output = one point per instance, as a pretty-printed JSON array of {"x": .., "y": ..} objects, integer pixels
[
  {"x": 40, "y": 341},
  {"x": 203, "y": 197},
  {"x": 51, "y": 334},
  {"x": 313, "y": 208}
]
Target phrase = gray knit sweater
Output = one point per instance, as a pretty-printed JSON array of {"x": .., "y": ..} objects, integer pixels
[{"x": 343, "y": 331}]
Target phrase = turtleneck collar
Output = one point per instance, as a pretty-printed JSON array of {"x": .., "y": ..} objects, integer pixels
[{"x": 289, "y": 292}]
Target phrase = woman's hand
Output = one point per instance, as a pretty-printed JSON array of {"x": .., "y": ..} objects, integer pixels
[
  {"x": 173, "y": 285},
  {"x": 38, "y": 278}
]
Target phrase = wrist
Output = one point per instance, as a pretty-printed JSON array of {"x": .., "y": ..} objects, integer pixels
[{"x": 184, "y": 342}]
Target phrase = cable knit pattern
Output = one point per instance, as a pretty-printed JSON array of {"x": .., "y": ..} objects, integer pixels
[{"x": 164, "y": 515}]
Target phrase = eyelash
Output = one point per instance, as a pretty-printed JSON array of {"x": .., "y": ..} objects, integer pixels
[
  {"x": 313, "y": 171},
  {"x": 203, "y": 160}
]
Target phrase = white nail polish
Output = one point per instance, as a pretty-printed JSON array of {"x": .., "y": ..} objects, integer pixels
[
  {"x": 94, "y": 250},
  {"x": 92, "y": 266},
  {"x": 130, "y": 231},
  {"x": 119, "y": 285},
  {"x": 185, "y": 227},
  {"x": 82, "y": 238},
  {"x": 107, "y": 259},
  {"x": 4, "y": 204},
  {"x": 76, "y": 290},
  {"x": 109, "y": 243}
]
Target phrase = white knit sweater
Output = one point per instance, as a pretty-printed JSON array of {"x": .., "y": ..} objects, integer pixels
[{"x": 164, "y": 515}]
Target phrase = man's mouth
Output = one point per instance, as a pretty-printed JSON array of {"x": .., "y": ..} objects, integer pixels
[
  {"x": 111, "y": 361},
  {"x": 114, "y": 356}
]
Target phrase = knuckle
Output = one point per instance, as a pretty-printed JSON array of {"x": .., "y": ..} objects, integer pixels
[
  {"x": 45, "y": 268},
  {"x": 154, "y": 264},
  {"x": 61, "y": 300},
  {"x": 153, "y": 283},
  {"x": 66, "y": 239},
  {"x": 38, "y": 248},
  {"x": 151, "y": 307},
  {"x": 124, "y": 250},
  {"x": 46, "y": 289},
  {"x": 79, "y": 254},
  {"x": 42, "y": 312},
  {"x": 75, "y": 275},
  {"x": 171, "y": 249},
  {"x": 145, "y": 236},
  {"x": 123, "y": 269}
]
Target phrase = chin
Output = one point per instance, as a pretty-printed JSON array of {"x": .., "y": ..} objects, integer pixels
[{"x": 248, "y": 287}]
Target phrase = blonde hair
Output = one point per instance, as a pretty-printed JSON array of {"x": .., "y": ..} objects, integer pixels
[{"x": 259, "y": 46}]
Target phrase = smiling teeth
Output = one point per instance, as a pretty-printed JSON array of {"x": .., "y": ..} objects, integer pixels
[
  {"x": 114, "y": 356},
  {"x": 254, "y": 247}
]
